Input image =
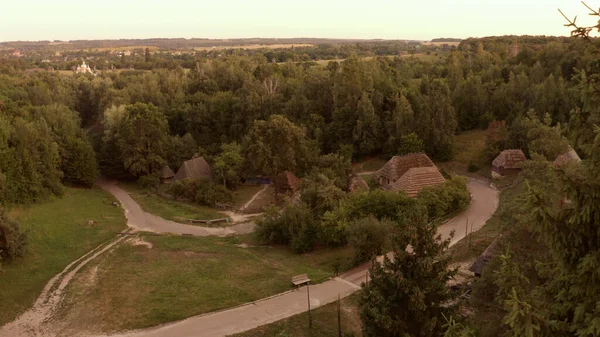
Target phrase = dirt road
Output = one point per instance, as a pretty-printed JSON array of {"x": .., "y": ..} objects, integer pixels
[{"x": 139, "y": 220}]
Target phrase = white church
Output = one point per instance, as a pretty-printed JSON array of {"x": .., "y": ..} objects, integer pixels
[{"x": 84, "y": 68}]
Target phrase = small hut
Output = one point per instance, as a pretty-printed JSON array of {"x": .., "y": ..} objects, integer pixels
[
  {"x": 397, "y": 166},
  {"x": 357, "y": 183},
  {"x": 166, "y": 175},
  {"x": 566, "y": 157},
  {"x": 193, "y": 169},
  {"x": 485, "y": 257},
  {"x": 508, "y": 162},
  {"x": 287, "y": 182}
]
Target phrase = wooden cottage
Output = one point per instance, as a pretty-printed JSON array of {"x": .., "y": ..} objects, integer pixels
[
  {"x": 410, "y": 173},
  {"x": 166, "y": 175},
  {"x": 193, "y": 169},
  {"x": 287, "y": 182},
  {"x": 483, "y": 259},
  {"x": 508, "y": 162}
]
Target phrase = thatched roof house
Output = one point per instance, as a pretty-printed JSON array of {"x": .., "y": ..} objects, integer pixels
[
  {"x": 196, "y": 168},
  {"x": 410, "y": 173},
  {"x": 508, "y": 162},
  {"x": 287, "y": 182},
  {"x": 485, "y": 257},
  {"x": 566, "y": 157},
  {"x": 417, "y": 178},
  {"x": 166, "y": 174},
  {"x": 356, "y": 183},
  {"x": 398, "y": 165}
]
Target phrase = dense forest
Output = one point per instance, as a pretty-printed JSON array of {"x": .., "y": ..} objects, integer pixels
[{"x": 245, "y": 113}]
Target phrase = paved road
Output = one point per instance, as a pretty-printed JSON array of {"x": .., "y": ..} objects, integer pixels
[
  {"x": 249, "y": 316},
  {"x": 140, "y": 220}
]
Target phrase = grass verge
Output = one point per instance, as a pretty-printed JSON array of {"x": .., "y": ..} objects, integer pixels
[
  {"x": 325, "y": 322},
  {"x": 58, "y": 234},
  {"x": 174, "y": 210},
  {"x": 137, "y": 287}
]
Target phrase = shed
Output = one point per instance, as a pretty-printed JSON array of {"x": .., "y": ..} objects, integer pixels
[
  {"x": 485, "y": 257},
  {"x": 416, "y": 179},
  {"x": 287, "y": 182},
  {"x": 166, "y": 175},
  {"x": 508, "y": 162},
  {"x": 196, "y": 168}
]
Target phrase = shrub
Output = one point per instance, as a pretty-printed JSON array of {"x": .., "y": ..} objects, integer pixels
[
  {"x": 210, "y": 194},
  {"x": 201, "y": 191},
  {"x": 12, "y": 240},
  {"x": 473, "y": 167},
  {"x": 293, "y": 226},
  {"x": 451, "y": 196},
  {"x": 369, "y": 237}
]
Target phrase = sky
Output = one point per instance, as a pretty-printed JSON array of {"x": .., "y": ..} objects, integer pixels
[{"x": 366, "y": 19}]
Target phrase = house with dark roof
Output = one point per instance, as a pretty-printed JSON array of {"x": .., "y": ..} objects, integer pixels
[
  {"x": 287, "y": 182},
  {"x": 357, "y": 183},
  {"x": 410, "y": 173},
  {"x": 193, "y": 169},
  {"x": 166, "y": 175},
  {"x": 492, "y": 250},
  {"x": 508, "y": 162}
]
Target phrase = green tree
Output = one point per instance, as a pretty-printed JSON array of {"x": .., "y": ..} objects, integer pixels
[
  {"x": 13, "y": 241},
  {"x": 320, "y": 194},
  {"x": 227, "y": 165},
  {"x": 274, "y": 145},
  {"x": 410, "y": 144},
  {"x": 142, "y": 137},
  {"x": 80, "y": 167},
  {"x": 369, "y": 237},
  {"x": 407, "y": 293}
]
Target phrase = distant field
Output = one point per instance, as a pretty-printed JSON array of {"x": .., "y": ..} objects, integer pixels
[
  {"x": 151, "y": 48},
  {"x": 429, "y": 43},
  {"x": 256, "y": 46}
]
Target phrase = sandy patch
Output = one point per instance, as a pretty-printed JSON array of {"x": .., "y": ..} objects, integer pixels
[{"x": 137, "y": 241}]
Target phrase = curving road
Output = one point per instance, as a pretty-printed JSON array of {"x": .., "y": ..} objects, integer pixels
[
  {"x": 139, "y": 220},
  {"x": 223, "y": 323}
]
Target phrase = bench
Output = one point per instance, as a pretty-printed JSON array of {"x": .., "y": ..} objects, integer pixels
[{"x": 299, "y": 280}]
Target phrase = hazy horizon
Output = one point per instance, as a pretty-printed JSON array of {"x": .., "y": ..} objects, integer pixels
[{"x": 37, "y": 20}]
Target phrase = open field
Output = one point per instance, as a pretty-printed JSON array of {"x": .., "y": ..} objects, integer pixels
[
  {"x": 429, "y": 43},
  {"x": 256, "y": 46},
  {"x": 58, "y": 234},
  {"x": 244, "y": 193},
  {"x": 469, "y": 147},
  {"x": 368, "y": 165},
  {"x": 136, "y": 286},
  {"x": 324, "y": 322},
  {"x": 424, "y": 57},
  {"x": 174, "y": 210}
]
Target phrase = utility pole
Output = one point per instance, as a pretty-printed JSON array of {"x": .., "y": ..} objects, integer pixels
[
  {"x": 308, "y": 296},
  {"x": 339, "y": 310}
]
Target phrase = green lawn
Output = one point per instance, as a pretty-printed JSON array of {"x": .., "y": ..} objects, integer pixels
[
  {"x": 469, "y": 147},
  {"x": 58, "y": 234},
  {"x": 244, "y": 193},
  {"x": 325, "y": 322},
  {"x": 136, "y": 287},
  {"x": 369, "y": 165},
  {"x": 175, "y": 210}
]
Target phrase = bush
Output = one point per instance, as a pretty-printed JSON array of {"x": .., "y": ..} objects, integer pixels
[
  {"x": 441, "y": 200},
  {"x": 201, "y": 191},
  {"x": 369, "y": 236},
  {"x": 293, "y": 226},
  {"x": 473, "y": 167},
  {"x": 12, "y": 240}
]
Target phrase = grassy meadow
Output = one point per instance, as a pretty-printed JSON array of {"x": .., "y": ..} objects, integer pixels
[
  {"x": 135, "y": 286},
  {"x": 58, "y": 233}
]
